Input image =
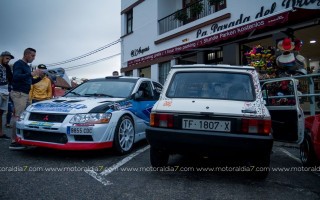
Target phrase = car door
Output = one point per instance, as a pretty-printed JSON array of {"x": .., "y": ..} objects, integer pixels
[
  {"x": 143, "y": 102},
  {"x": 281, "y": 99}
]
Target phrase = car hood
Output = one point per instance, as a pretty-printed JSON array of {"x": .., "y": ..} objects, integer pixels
[
  {"x": 216, "y": 107},
  {"x": 75, "y": 105}
]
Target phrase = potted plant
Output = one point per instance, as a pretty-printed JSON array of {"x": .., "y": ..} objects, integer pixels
[
  {"x": 181, "y": 15},
  {"x": 196, "y": 9}
]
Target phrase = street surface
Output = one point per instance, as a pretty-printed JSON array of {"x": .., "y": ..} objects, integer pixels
[{"x": 49, "y": 174}]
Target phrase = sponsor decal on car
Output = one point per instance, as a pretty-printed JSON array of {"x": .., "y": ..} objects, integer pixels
[
  {"x": 47, "y": 124},
  {"x": 167, "y": 103},
  {"x": 59, "y": 107},
  {"x": 120, "y": 105}
]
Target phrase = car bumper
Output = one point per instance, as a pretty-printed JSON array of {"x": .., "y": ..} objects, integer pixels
[
  {"x": 209, "y": 143},
  {"x": 56, "y": 136},
  {"x": 68, "y": 146}
]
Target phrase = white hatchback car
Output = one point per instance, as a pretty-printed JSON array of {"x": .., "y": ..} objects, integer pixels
[
  {"x": 100, "y": 113},
  {"x": 211, "y": 110}
]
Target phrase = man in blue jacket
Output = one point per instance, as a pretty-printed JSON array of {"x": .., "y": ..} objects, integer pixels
[{"x": 23, "y": 78}]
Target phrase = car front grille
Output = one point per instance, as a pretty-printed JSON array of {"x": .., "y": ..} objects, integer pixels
[
  {"x": 43, "y": 117},
  {"x": 83, "y": 138},
  {"x": 59, "y": 138}
]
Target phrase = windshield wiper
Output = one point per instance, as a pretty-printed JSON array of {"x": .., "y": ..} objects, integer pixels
[
  {"x": 99, "y": 95},
  {"x": 77, "y": 94}
]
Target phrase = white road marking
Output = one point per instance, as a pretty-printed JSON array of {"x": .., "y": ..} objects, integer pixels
[
  {"x": 101, "y": 176},
  {"x": 98, "y": 177},
  {"x": 289, "y": 154},
  {"x": 296, "y": 159}
]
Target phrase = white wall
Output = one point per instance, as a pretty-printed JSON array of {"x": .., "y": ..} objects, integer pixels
[
  {"x": 155, "y": 72},
  {"x": 167, "y": 7},
  {"x": 126, "y": 3},
  {"x": 145, "y": 28}
]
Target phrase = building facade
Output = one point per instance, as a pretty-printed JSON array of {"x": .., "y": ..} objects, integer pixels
[{"x": 157, "y": 34}]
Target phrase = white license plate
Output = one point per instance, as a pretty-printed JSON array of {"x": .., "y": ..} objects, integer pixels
[
  {"x": 79, "y": 130},
  {"x": 208, "y": 125}
]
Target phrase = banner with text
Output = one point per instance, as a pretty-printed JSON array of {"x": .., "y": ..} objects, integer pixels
[{"x": 234, "y": 32}]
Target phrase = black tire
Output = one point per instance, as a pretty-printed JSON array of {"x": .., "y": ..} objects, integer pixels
[
  {"x": 124, "y": 135},
  {"x": 158, "y": 158},
  {"x": 307, "y": 154},
  {"x": 260, "y": 168}
]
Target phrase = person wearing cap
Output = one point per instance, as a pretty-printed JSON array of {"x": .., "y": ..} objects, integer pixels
[
  {"x": 52, "y": 76},
  {"x": 23, "y": 78},
  {"x": 115, "y": 73},
  {"x": 5, "y": 81},
  {"x": 41, "y": 90}
]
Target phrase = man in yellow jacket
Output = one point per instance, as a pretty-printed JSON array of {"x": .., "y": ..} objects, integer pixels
[{"x": 41, "y": 90}]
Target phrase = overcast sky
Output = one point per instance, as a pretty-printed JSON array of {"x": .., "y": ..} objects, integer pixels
[{"x": 63, "y": 29}]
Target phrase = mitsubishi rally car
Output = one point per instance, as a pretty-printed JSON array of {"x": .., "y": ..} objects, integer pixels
[{"x": 100, "y": 113}]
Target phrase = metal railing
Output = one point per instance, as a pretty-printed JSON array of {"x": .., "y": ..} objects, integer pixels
[{"x": 186, "y": 15}]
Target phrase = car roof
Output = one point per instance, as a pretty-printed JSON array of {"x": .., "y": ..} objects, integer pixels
[
  {"x": 116, "y": 78},
  {"x": 199, "y": 66}
]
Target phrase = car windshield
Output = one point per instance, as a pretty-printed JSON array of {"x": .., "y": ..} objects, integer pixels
[
  {"x": 212, "y": 85},
  {"x": 104, "y": 88}
]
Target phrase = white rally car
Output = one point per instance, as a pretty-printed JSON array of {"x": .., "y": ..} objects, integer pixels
[{"x": 100, "y": 113}]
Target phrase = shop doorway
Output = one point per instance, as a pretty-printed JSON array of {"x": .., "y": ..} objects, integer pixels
[{"x": 145, "y": 72}]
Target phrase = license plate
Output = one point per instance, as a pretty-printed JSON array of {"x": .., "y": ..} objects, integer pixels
[
  {"x": 208, "y": 125},
  {"x": 79, "y": 130}
]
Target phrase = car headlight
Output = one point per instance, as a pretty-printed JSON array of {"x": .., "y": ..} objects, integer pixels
[
  {"x": 94, "y": 118},
  {"x": 22, "y": 116}
]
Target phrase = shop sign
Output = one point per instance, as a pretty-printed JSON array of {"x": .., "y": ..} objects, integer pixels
[
  {"x": 270, "y": 21},
  {"x": 300, "y": 3},
  {"x": 138, "y": 51},
  {"x": 262, "y": 12}
]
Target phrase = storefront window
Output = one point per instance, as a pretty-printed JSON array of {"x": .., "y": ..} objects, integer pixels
[
  {"x": 129, "y": 73},
  {"x": 214, "y": 57}
]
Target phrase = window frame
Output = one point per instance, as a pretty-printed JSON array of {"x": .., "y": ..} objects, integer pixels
[{"x": 129, "y": 21}]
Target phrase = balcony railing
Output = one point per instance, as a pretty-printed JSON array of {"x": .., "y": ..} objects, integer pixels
[{"x": 189, "y": 14}]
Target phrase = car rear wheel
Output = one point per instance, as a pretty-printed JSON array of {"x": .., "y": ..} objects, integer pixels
[
  {"x": 307, "y": 154},
  {"x": 158, "y": 158},
  {"x": 124, "y": 135}
]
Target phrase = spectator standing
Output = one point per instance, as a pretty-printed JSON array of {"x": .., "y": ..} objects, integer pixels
[
  {"x": 42, "y": 90},
  {"x": 5, "y": 80},
  {"x": 9, "y": 111},
  {"x": 23, "y": 78}
]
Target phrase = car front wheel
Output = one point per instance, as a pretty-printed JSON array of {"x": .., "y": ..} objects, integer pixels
[{"x": 124, "y": 135}]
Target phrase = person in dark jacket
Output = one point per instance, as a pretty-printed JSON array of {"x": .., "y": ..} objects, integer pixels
[
  {"x": 5, "y": 80},
  {"x": 23, "y": 78}
]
